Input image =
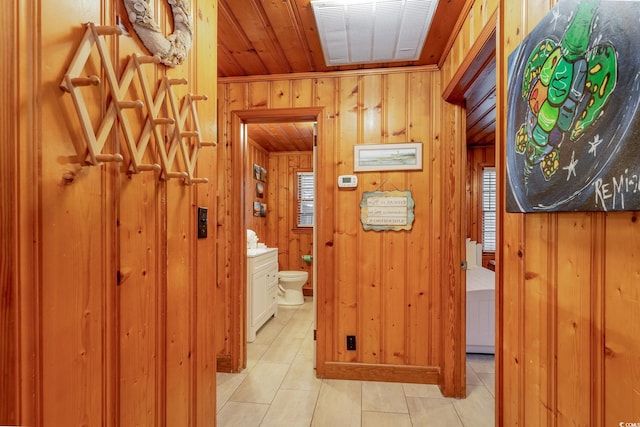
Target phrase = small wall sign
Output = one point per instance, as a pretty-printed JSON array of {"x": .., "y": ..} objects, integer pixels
[{"x": 387, "y": 210}]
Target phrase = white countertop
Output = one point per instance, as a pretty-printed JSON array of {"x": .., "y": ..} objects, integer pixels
[{"x": 255, "y": 252}]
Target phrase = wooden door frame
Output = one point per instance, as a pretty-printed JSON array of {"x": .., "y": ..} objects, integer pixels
[
  {"x": 238, "y": 262},
  {"x": 480, "y": 56}
]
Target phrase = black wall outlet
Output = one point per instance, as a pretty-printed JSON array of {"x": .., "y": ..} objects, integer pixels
[{"x": 351, "y": 342}]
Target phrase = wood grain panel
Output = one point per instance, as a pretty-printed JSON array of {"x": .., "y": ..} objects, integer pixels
[
  {"x": 11, "y": 363},
  {"x": 372, "y": 286},
  {"x": 510, "y": 237},
  {"x": 621, "y": 323},
  {"x": 77, "y": 260},
  {"x": 574, "y": 318},
  {"x": 350, "y": 128},
  {"x": 422, "y": 328},
  {"x": 99, "y": 342},
  {"x": 203, "y": 260},
  {"x": 326, "y": 96},
  {"x": 257, "y": 155},
  {"x": 536, "y": 292}
]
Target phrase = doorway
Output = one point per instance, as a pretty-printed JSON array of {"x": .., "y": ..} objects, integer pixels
[
  {"x": 474, "y": 89},
  {"x": 244, "y": 122}
]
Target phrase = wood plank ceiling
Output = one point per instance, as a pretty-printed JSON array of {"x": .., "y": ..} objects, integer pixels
[
  {"x": 296, "y": 136},
  {"x": 259, "y": 38}
]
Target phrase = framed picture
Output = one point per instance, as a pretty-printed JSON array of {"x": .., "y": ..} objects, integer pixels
[
  {"x": 259, "y": 190},
  {"x": 573, "y": 119},
  {"x": 256, "y": 171},
  {"x": 259, "y": 209},
  {"x": 387, "y": 157}
]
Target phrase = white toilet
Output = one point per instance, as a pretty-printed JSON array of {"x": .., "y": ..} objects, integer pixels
[{"x": 290, "y": 285}]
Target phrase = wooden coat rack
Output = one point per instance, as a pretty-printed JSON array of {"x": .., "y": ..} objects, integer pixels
[{"x": 175, "y": 124}]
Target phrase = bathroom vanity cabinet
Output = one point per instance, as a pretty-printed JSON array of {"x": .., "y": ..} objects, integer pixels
[{"x": 262, "y": 288}]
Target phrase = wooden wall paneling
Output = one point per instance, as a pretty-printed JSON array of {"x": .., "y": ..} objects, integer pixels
[
  {"x": 476, "y": 17},
  {"x": 258, "y": 156},
  {"x": 92, "y": 349},
  {"x": 436, "y": 113},
  {"x": 181, "y": 217},
  {"x": 281, "y": 94},
  {"x": 290, "y": 245},
  {"x": 510, "y": 234},
  {"x": 223, "y": 176},
  {"x": 597, "y": 347},
  {"x": 142, "y": 290},
  {"x": 538, "y": 288},
  {"x": 372, "y": 286},
  {"x": 204, "y": 396},
  {"x": 140, "y": 302},
  {"x": 395, "y": 281},
  {"x": 76, "y": 238},
  {"x": 371, "y": 289},
  {"x": 258, "y": 95},
  {"x": 327, "y": 169},
  {"x": 10, "y": 363},
  {"x": 573, "y": 318},
  {"x": 19, "y": 203},
  {"x": 422, "y": 315},
  {"x": 235, "y": 98},
  {"x": 348, "y": 221},
  {"x": 435, "y": 232},
  {"x": 279, "y": 197},
  {"x": 282, "y": 218},
  {"x": 303, "y": 92},
  {"x": 179, "y": 305},
  {"x": 621, "y": 327}
]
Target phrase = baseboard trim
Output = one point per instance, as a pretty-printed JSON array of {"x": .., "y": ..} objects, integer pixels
[{"x": 387, "y": 373}]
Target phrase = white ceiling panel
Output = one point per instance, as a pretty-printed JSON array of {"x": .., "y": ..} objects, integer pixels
[{"x": 362, "y": 31}]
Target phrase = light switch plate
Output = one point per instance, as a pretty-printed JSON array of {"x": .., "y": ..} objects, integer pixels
[{"x": 203, "y": 222}]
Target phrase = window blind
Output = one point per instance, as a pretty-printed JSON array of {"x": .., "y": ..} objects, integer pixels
[
  {"x": 489, "y": 209},
  {"x": 305, "y": 199}
]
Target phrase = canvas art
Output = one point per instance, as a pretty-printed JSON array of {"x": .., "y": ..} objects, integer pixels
[{"x": 573, "y": 132}]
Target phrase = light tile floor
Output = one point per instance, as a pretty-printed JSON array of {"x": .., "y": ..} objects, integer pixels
[{"x": 279, "y": 388}]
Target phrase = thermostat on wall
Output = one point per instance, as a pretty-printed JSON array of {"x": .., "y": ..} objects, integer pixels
[{"x": 347, "y": 181}]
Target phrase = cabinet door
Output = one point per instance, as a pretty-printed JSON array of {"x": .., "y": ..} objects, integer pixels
[{"x": 259, "y": 302}]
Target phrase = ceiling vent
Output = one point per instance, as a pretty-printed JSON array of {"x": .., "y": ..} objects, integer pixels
[{"x": 362, "y": 31}]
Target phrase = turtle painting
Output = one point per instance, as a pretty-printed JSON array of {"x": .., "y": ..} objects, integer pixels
[
  {"x": 572, "y": 110},
  {"x": 566, "y": 86}
]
